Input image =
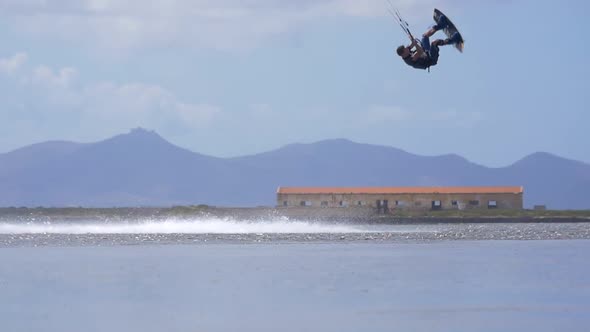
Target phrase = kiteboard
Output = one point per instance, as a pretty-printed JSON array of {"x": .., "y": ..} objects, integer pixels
[{"x": 450, "y": 30}]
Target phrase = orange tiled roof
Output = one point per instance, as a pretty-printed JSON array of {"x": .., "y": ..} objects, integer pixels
[{"x": 400, "y": 190}]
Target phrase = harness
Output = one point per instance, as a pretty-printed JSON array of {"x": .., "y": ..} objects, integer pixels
[
  {"x": 422, "y": 63},
  {"x": 425, "y": 63}
]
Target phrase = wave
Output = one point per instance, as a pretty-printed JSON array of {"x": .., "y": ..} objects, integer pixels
[{"x": 176, "y": 226}]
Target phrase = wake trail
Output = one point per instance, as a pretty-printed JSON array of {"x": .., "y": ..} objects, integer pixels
[{"x": 198, "y": 226}]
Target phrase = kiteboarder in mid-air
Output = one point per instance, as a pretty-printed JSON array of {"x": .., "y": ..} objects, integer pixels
[{"x": 421, "y": 54}]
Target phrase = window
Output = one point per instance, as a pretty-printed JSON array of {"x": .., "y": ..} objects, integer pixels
[
  {"x": 343, "y": 203},
  {"x": 436, "y": 205},
  {"x": 359, "y": 203},
  {"x": 474, "y": 203},
  {"x": 492, "y": 204},
  {"x": 325, "y": 203},
  {"x": 455, "y": 203},
  {"x": 305, "y": 203},
  {"x": 285, "y": 203}
]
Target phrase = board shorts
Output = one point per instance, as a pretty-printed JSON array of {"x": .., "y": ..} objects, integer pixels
[
  {"x": 433, "y": 55},
  {"x": 431, "y": 50}
]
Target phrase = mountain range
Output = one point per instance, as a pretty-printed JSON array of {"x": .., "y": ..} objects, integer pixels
[{"x": 140, "y": 168}]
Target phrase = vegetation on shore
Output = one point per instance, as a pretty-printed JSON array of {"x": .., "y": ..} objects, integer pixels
[
  {"x": 185, "y": 211},
  {"x": 495, "y": 213}
]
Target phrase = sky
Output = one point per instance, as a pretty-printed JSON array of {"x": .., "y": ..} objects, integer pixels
[{"x": 238, "y": 77}]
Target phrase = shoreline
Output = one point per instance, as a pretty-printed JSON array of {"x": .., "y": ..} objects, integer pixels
[{"x": 347, "y": 216}]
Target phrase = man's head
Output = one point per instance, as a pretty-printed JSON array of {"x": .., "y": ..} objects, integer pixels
[{"x": 403, "y": 51}]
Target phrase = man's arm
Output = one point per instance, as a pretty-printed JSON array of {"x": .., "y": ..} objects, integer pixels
[
  {"x": 413, "y": 44},
  {"x": 419, "y": 50}
]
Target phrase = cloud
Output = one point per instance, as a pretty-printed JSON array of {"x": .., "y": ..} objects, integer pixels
[
  {"x": 218, "y": 24},
  {"x": 151, "y": 104},
  {"x": 12, "y": 64},
  {"x": 44, "y": 75},
  {"x": 50, "y": 98}
]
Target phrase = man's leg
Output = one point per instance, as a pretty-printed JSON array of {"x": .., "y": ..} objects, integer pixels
[
  {"x": 455, "y": 38},
  {"x": 443, "y": 22},
  {"x": 434, "y": 54},
  {"x": 426, "y": 44}
]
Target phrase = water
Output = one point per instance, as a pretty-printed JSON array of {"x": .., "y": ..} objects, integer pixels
[
  {"x": 104, "y": 232},
  {"x": 223, "y": 275}
]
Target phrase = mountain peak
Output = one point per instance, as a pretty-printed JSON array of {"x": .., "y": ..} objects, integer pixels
[
  {"x": 139, "y": 131},
  {"x": 336, "y": 141},
  {"x": 139, "y": 134},
  {"x": 135, "y": 140},
  {"x": 538, "y": 157}
]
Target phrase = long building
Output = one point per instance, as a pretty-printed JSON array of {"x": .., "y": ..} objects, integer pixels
[{"x": 412, "y": 198}]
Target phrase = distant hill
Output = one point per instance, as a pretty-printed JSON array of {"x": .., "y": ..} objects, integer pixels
[{"x": 142, "y": 169}]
